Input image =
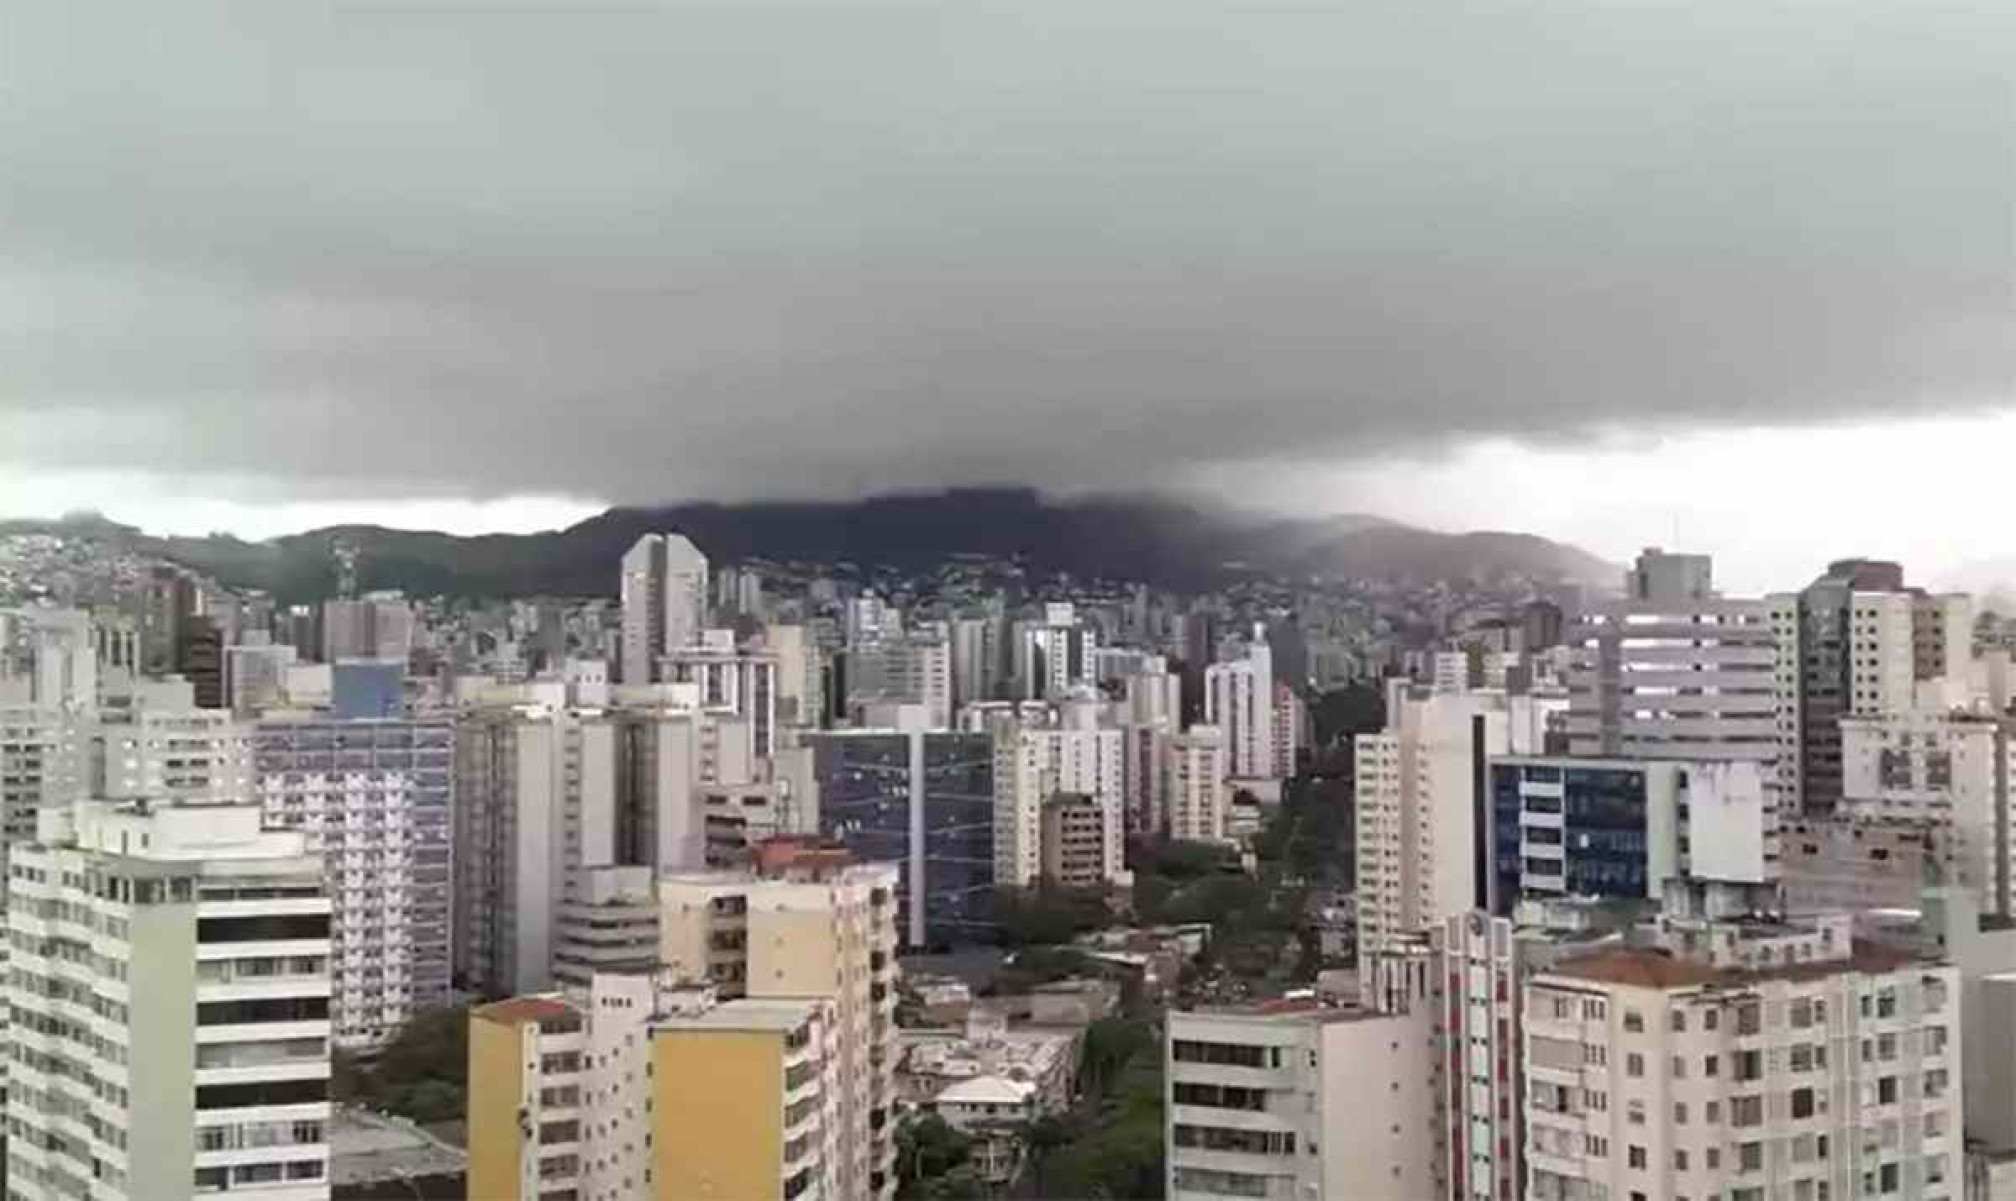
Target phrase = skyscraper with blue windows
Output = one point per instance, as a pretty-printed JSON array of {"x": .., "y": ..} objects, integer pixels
[
  {"x": 1563, "y": 826},
  {"x": 923, "y": 800}
]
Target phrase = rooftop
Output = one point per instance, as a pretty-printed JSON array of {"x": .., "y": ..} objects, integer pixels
[
  {"x": 366, "y": 1148},
  {"x": 1651, "y": 967},
  {"x": 520, "y": 1010},
  {"x": 747, "y": 1013}
]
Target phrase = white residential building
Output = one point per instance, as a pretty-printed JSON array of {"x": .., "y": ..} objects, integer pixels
[
  {"x": 914, "y": 669},
  {"x": 976, "y": 658},
  {"x": 1947, "y": 772},
  {"x": 1291, "y": 1101},
  {"x": 1053, "y": 655},
  {"x": 1421, "y": 803},
  {"x": 374, "y": 800},
  {"x": 1196, "y": 800},
  {"x": 170, "y": 988},
  {"x": 1674, "y": 670},
  {"x": 49, "y": 659},
  {"x": 1239, "y": 699},
  {"x": 1076, "y": 753},
  {"x": 1744, "y": 1059},
  {"x": 536, "y": 802},
  {"x": 1855, "y": 642},
  {"x": 730, "y": 679},
  {"x": 664, "y": 599},
  {"x": 172, "y": 753}
]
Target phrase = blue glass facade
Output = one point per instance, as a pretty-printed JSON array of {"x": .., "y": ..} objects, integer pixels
[
  {"x": 946, "y": 838},
  {"x": 1562, "y": 829}
]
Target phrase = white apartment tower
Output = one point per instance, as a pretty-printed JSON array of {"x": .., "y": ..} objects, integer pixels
[
  {"x": 1422, "y": 792},
  {"x": 1744, "y": 1059},
  {"x": 1194, "y": 777},
  {"x": 374, "y": 800},
  {"x": 201, "y": 756},
  {"x": 170, "y": 986},
  {"x": 1239, "y": 699},
  {"x": 536, "y": 803},
  {"x": 1075, "y": 754},
  {"x": 1855, "y": 642},
  {"x": 1946, "y": 772},
  {"x": 1288, "y": 1101},
  {"x": 1674, "y": 670},
  {"x": 810, "y": 927},
  {"x": 664, "y": 599}
]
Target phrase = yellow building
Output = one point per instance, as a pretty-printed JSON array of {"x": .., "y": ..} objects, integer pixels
[
  {"x": 642, "y": 1090},
  {"x": 525, "y": 1098}
]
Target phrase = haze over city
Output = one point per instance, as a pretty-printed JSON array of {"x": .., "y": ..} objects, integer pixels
[{"x": 1696, "y": 273}]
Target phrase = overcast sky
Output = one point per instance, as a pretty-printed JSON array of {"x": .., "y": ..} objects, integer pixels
[{"x": 1616, "y": 271}]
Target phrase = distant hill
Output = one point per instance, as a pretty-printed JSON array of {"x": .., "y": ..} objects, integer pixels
[{"x": 1162, "y": 542}]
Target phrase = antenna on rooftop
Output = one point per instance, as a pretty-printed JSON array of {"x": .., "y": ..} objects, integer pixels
[{"x": 345, "y": 552}]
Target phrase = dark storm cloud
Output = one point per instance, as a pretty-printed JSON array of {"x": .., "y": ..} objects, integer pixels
[{"x": 650, "y": 252}]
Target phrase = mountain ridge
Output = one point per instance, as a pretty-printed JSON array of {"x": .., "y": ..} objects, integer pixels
[{"x": 1168, "y": 543}]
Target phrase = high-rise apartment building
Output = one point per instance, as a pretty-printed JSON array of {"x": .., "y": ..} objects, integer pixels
[
  {"x": 374, "y": 800},
  {"x": 1423, "y": 810},
  {"x": 1072, "y": 753},
  {"x": 172, "y": 752},
  {"x": 535, "y": 803},
  {"x": 976, "y": 658},
  {"x": 1674, "y": 670},
  {"x": 378, "y": 625},
  {"x": 1291, "y": 1101},
  {"x": 1239, "y": 699},
  {"x": 924, "y": 801},
  {"x": 1053, "y": 654},
  {"x": 170, "y": 995},
  {"x": 1855, "y": 642},
  {"x": 1626, "y": 828},
  {"x": 1744, "y": 1058},
  {"x": 1291, "y": 720},
  {"x": 913, "y": 669},
  {"x": 1074, "y": 841},
  {"x": 664, "y": 598},
  {"x": 730, "y": 679},
  {"x": 49, "y": 659},
  {"x": 808, "y": 926},
  {"x": 1194, "y": 779},
  {"x": 1945, "y": 773}
]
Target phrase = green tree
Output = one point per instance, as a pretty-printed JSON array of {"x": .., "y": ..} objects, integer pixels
[
  {"x": 927, "y": 1149},
  {"x": 1045, "y": 916}
]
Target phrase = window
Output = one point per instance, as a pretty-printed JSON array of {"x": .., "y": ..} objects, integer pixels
[
  {"x": 1746, "y": 1065},
  {"x": 1595, "y": 1146},
  {"x": 1634, "y": 1156},
  {"x": 1679, "y": 1113},
  {"x": 1750, "y": 1157},
  {"x": 1680, "y": 1161},
  {"x": 1218, "y": 1096},
  {"x": 1242, "y": 1055},
  {"x": 1710, "y": 1018},
  {"x": 1634, "y": 1112},
  {"x": 1802, "y": 1103},
  {"x": 1886, "y": 1178},
  {"x": 1634, "y": 1064},
  {"x": 1886, "y": 1090},
  {"x": 1249, "y": 1142},
  {"x": 1749, "y": 1018},
  {"x": 1679, "y": 1067},
  {"x": 1746, "y": 1111},
  {"x": 1678, "y": 1021},
  {"x": 1634, "y": 1022},
  {"x": 1802, "y": 1013},
  {"x": 1595, "y": 1100},
  {"x": 1712, "y": 1112},
  {"x": 1709, "y": 1064}
]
